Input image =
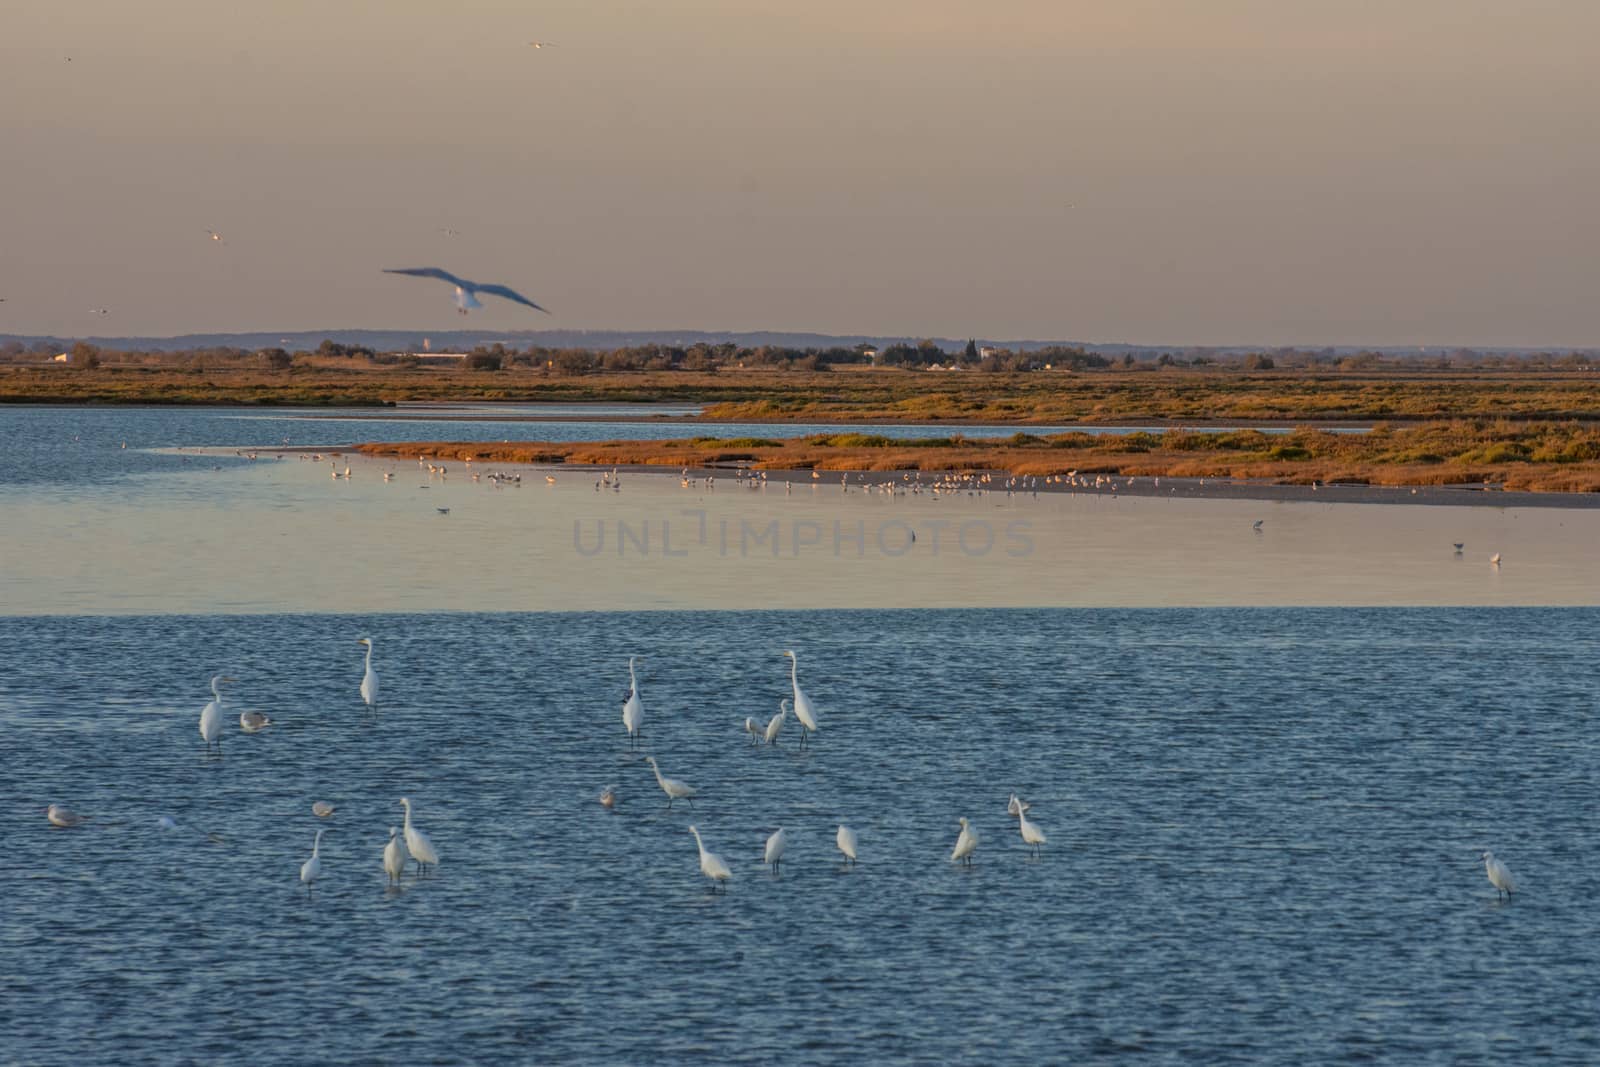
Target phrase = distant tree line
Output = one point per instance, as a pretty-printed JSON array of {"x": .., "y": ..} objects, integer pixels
[{"x": 707, "y": 357}]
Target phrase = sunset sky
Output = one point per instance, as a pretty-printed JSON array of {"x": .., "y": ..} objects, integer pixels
[{"x": 1218, "y": 172}]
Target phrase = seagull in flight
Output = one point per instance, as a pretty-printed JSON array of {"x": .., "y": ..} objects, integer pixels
[
  {"x": 541, "y": 44},
  {"x": 1257, "y": 525},
  {"x": 215, "y": 236},
  {"x": 467, "y": 292},
  {"x": 99, "y": 311}
]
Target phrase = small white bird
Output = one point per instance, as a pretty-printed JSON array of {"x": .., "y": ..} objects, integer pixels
[
  {"x": 61, "y": 815},
  {"x": 966, "y": 844},
  {"x": 775, "y": 724},
  {"x": 1032, "y": 836},
  {"x": 394, "y": 856},
  {"x": 674, "y": 789},
  {"x": 369, "y": 681},
  {"x": 252, "y": 722},
  {"x": 216, "y": 237},
  {"x": 417, "y": 842},
  {"x": 211, "y": 714},
  {"x": 1499, "y": 875},
  {"x": 774, "y": 851},
  {"x": 753, "y": 730},
  {"x": 311, "y": 869},
  {"x": 711, "y": 864},
  {"x": 1495, "y": 559},
  {"x": 322, "y": 809},
  {"x": 846, "y": 840},
  {"x": 541, "y": 44}
]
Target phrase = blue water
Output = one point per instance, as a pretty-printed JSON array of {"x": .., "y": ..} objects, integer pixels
[
  {"x": 1264, "y": 828},
  {"x": 73, "y": 447}
]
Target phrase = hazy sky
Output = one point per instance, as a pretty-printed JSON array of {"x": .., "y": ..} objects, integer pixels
[{"x": 1177, "y": 171}]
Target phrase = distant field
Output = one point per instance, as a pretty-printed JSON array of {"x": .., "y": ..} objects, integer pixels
[
  {"x": 1534, "y": 456},
  {"x": 1166, "y": 395}
]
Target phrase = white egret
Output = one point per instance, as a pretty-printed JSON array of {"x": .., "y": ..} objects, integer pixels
[
  {"x": 1031, "y": 834},
  {"x": 311, "y": 869},
  {"x": 711, "y": 864},
  {"x": 775, "y": 726},
  {"x": 253, "y": 722},
  {"x": 632, "y": 708},
  {"x": 1499, "y": 875},
  {"x": 211, "y": 715},
  {"x": 322, "y": 809},
  {"x": 775, "y": 846},
  {"x": 751, "y": 729},
  {"x": 802, "y": 704},
  {"x": 1013, "y": 805},
  {"x": 369, "y": 681},
  {"x": 608, "y": 797},
  {"x": 417, "y": 842},
  {"x": 966, "y": 844},
  {"x": 394, "y": 856},
  {"x": 61, "y": 815},
  {"x": 846, "y": 840},
  {"x": 674, "y": 789}
]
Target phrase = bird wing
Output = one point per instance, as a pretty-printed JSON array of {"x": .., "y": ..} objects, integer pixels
[
  {"x": 509, "y": 294},
  {"x": 430, "y": 272}
]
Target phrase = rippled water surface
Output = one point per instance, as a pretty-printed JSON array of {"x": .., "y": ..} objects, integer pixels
[{"x": 1263, "y": 825}]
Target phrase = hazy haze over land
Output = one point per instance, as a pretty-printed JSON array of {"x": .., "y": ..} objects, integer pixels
[{"x": 1239, "y": 171}]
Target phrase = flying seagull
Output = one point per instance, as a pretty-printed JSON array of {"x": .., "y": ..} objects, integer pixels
[
  {"x": 215, "y": 236},
  {"x": 541, "y": 44},
  {"x": 467, "y": 292}
]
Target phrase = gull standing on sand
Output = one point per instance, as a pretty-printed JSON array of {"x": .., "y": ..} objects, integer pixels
[
  {"x": 394, "y": 856},
  {"x": 674, "y": 789},
  {"x": 711, "y": 864},
  {"x": 966, "y": 844},
  {"x": 467, "y": 291},
  {"x": 417, "y": 842},
  {"x": 1499, "y": 875}
]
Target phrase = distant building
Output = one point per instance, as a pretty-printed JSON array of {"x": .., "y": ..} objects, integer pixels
[
  {"x": 438, "y": 357},
  {"x": 985, "y": 352},
  {"x": 65, "y": 357},
  {"x": 871, "y": 354}
]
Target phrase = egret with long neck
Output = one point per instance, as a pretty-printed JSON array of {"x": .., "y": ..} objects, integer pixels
[
  {"x": 802, "y": 703},
  {"x": 632, "y": 708},
  {"x": 369, "y": 681},
  {"x": 417, "y": 842}
]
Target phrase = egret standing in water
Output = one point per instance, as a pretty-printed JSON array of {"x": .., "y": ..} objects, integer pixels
[
  {"x": 417, "y": 842},
  {"x": 1499, "y": 875},
  {"x": 394, "y": 856},
  {"x": 674, "y": 789},
  {"x": 211, "y": 715},
  {"x": 369, "y": 681},
  {"x": 1032, "y": 836},
  {"x": 774, "y": 851},
  {"x": 775, "y": 726},
  {"x": 802, "y": 704},
  {"x": 846, "y": 840},
  {"x": 311, "y": 869},
  {"x": 966, "y": 845},
  {"x": 711, "y": 864},
  {"x": 632, "y": 708}
]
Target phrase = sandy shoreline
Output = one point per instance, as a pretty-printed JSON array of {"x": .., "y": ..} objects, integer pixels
[{"x": 1002, "y": 483}]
